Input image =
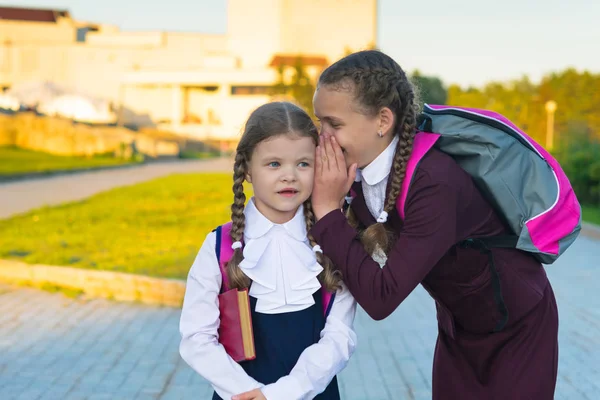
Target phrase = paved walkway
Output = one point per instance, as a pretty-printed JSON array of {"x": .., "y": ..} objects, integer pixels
[
  {"x": 21, "y": 196},
  {"x": 53, "y": 347}
]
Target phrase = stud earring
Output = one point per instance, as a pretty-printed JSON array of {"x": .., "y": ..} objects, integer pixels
[{"x": 380, "y": 133}]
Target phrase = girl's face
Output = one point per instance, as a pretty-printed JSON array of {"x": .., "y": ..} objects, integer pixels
[
  {"x": 355, "y": 132},
  {"x": 281, "y": 172}
]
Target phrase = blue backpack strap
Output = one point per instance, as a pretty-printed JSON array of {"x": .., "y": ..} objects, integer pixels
[
  {"x": 218, "y": 231},
  {"x": 485, "y": 245},
  {"x": 328, "y": 299}
]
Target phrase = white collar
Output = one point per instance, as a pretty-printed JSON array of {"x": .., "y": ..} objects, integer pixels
[
  {"x": 280, "y": 262},
  {"x": 258, "y": 225},
  {"x": 380, "y": 167}
]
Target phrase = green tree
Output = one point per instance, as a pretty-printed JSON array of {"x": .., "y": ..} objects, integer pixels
[
  {"x": 523, "y": 102},
  {"x": 299, "y": 86},
  {"x": 579, "y": 156},
  {"x": 431, "y": 89},
  {"x": 576, "y": 120}
]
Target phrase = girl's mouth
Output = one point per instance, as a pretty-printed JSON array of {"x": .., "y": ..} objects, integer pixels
[{"x": 288, "y": 192}]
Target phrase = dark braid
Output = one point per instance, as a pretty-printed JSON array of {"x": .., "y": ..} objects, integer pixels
[
  {"x": 402, "y": 154},
  {"x": 377, "y": 81}
]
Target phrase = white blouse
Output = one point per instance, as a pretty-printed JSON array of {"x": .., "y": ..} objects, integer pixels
[
  {"x": 374, "y": 179},
  {"x": 281, "y": 286},
  {"x": 280, "y": 262}
]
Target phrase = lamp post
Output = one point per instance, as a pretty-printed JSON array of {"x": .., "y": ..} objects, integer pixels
[{"x": 550, "y": 109}]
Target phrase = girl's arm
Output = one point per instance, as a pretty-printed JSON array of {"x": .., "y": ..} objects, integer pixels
[
  {"x": 428, "y": 232},
  {"x": 198, "y": 326},
  {"x": 320, "y": 363}
]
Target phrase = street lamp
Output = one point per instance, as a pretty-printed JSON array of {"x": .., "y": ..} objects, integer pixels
[{"x": 550, "y": 109}]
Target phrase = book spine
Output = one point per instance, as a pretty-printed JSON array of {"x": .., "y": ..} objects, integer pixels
[{"x": 246, "y": 325}]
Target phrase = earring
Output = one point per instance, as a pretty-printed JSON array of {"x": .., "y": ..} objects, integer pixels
[{"x": 380, "y": 133}]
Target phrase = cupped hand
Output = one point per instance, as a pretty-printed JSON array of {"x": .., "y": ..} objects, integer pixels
[{"x": 333, "y": 178}]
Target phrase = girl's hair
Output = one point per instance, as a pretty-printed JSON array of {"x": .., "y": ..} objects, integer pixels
[
  {"x": 377, "y": 81},
  {"x": 267, "y": 121}
]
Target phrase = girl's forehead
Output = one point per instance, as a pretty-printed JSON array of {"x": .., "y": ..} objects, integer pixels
[
  {"x": 329, "y": 102},
  {"x": 286, "y": 145}
]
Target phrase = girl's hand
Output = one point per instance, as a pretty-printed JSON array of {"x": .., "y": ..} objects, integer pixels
[
  {"x": 332, "y": 178},
  {"x": 255, "y": 394}
]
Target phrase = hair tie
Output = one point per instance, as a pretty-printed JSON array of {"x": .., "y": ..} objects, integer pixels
[
  {"x": 317, "y": 249},
  {"x": 236, "y": 245},
  {"x": 382, "y": 217}
]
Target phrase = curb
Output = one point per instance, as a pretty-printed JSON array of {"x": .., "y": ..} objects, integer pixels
[
  {"x": 93, "y": 283},
  {"x": 74, "y": 171},
  {"x": 61, "y": 172},
  {"x": 121, "y": 286}
]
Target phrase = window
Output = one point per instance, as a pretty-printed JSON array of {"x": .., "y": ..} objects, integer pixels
[{"x": 250, "y": 90}]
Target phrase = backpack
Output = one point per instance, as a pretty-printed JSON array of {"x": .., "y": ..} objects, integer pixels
[
  {"x": 522, "y": 181},
  {"x": 225, "y": 252}
]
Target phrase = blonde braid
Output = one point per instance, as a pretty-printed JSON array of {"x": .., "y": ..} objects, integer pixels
[{"x": 237, "y": 278}]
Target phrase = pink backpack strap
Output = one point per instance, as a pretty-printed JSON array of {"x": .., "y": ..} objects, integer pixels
[
  {"x": 423, "y": 142},
  {"x": 225, "y": 252}
]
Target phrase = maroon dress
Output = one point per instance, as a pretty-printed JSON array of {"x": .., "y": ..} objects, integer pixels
[{"x": 473, "y": 360}]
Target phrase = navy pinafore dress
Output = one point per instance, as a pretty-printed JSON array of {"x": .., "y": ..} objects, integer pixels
[{"x": 279, "y": 339}]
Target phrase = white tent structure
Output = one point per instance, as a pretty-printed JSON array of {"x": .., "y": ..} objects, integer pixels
[
  {"x": 31, "y": 94},
  {"x": 8, "y": 102},
  {"x": 78, "y": 108},
  {"x": 56, "y": 100}
]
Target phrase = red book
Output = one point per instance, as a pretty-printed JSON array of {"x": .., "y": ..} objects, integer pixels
[{"x": 235, "y": 329}]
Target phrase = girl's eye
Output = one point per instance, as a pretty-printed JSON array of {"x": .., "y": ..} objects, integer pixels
[
  {"x": 304, "y": 164},
  {"x": 274, "y": 164}
]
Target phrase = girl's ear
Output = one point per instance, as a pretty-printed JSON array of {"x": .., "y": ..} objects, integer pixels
[
  {"x": 248, "y": 177},
  {"x": 386, "y": 120}
]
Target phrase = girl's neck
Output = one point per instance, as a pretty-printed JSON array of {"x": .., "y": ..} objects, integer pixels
[{"x": 274, "y": 216}]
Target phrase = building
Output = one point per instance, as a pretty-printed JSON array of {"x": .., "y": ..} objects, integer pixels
[{"x": 201, "y": 85}]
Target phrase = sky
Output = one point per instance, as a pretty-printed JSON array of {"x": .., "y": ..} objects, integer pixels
[{"x": 465, "y": 42}]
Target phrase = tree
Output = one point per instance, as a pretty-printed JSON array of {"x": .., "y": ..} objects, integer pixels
[
  {"x": 576, "y": 122},
  {"x": 431, "y": 89},
  {"x": 523, "y": 102},
  {"x": 299, "y": 86}
]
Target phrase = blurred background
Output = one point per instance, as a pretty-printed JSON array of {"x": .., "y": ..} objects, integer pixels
[{"x": 118, "y": 120}]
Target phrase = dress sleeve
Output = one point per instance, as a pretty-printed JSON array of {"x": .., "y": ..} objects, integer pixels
[
  {"x": 199, "y": 322},
  {"x": 428, "y": 232}
]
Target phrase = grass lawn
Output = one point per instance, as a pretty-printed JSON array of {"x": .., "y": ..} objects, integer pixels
[
  {"x": 154, "y": 228},
  {"x": 591, "y": 214},
  {"x": 16, "y": 161}
]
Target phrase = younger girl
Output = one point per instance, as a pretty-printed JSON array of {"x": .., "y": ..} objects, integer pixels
[{"x": 299, "y": 350}]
